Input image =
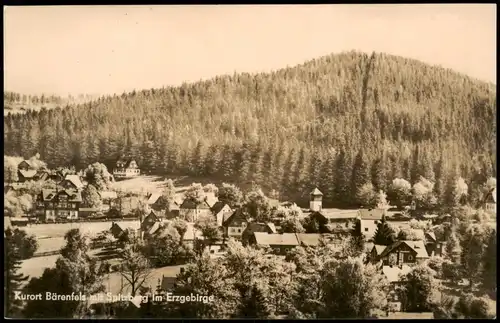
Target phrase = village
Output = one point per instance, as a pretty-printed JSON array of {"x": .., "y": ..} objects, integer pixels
[{"x": 212, "y": 219}]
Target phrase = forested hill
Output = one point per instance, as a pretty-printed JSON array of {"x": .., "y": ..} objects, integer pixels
[{"x": 319, "y": 123}]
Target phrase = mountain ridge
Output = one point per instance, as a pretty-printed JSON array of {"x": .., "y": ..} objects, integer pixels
[{"x": 402, "y": 111}]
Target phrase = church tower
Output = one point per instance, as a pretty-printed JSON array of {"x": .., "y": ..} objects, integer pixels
[{"x": 316, "y": 201}]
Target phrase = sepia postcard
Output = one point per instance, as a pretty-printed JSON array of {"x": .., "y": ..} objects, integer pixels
[{"x": 250, "y": 162}]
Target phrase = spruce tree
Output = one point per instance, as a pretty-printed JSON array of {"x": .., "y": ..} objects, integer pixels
[
  {"x": 384, "y": 235},
  {"x": 15, "y": 251},
  {"x": 342, "y": 180},
  {"x": 360, "y": 172}
]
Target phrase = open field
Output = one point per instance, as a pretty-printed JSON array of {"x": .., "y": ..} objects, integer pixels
[
  {"x": 155, "y": 184},
  {"x": 58, "y": 230},
  {"x": 140, "y": 184},
  {"x": 34, "y": 267}
]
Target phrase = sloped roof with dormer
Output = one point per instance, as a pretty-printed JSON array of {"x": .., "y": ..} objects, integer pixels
[
  {"x": 417, "y": 246},
  {"x": 73, "y": 195}
]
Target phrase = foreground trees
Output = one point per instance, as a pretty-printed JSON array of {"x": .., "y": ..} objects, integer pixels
[
  {"x": 75, "y": 272},
  {"x": 18, "y": 246}
]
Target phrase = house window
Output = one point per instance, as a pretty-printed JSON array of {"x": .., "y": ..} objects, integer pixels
[
  {"x": 401, "y": 259},
  {"x": 410, "y": 257},
  {"x": 239, "y": 230},
  {"x": 366, "y": 229}
]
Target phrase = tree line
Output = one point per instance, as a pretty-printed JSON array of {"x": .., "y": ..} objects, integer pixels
[{"x": 338, "y": 122}]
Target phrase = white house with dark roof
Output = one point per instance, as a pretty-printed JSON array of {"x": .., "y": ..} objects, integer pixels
[
  {"x": 490, "y": 201},
  {"x": 219, "y": 209},
  {"x": 400, "y": 253},
  {"x": 55, "y": 203},
  {"x": 369, "y": 219},
  {"x": 126, "y": 168}
]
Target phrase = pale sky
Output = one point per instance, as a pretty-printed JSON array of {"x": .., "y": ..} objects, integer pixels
[{"x": 111, "y": 49}]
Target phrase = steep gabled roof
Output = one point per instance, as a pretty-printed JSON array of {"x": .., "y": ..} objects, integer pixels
[
  {"x": 152, "y": 198},
  {"x": 190, "y": 204},
  {"x": 75, "y": 180},
  {"x": 235, "y": 215},
  {"x": 125, "y": 163},
  {"x": 28, "y": 173},
  {"x": 431, "y": 235},
  {"x": 379, "y": 248},
  {"x": 253, "y": 227},
  {"x": 49, "y": 194},
  {"x": 491, "y": 196},
  {"x": 417, "y": 246},
  {"x": 217, "y": 207}
]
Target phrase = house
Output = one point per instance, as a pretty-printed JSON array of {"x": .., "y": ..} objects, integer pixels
[
  {"x": 25, "y": 175},
  {"x": 211, "y": 199},
  {"x": 156, "y": 203},
  {"x": 394, "y": 275},
  {"x": 148, "y": 222},
  {"x": 219, "y": 209},
  {"x": 55, "y": 203},
  {"x": 235, "y": 224},
  {"x": 335, "y": 220},
  {"x": 253, "y": 227},
  {"x": 369, "y": 219},
  {"x": 191, "y": 210},
  {"x": 56, "y": 176},
  {"x": 126, "y": 168},
  {"x": 400, "y": 253},
  {"x": 433, "y": 246},
  {"x": 279, "y": 243},
  {"x": 116, "y": 230},
  {"x": 26, "y": 165},
  {"x": 490, "y": 201},
  {"x": 71, "y": 182}
]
